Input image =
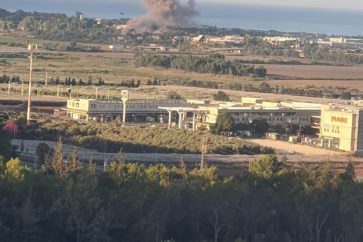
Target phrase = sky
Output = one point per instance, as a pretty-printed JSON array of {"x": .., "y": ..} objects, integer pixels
[
  {"x": 356, "y": 5},
  {"x": 327, "y": 4},
  {"x": 313, "y": 16}
]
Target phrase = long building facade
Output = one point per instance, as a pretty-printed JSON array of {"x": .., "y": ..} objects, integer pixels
[{"x": 108, "y": 110}]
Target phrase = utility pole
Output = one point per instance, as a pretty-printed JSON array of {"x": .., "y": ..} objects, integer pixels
[
  {"x": 96, "y": 92},
  {"x": 31, "y": 48},
  {"x": 203, "y": 150},
  {"x": 9, "y": 87},
  {"x": 58, "y": 90},
  {"x": 124, "y": 98},
  {"x": 22, "y": 87},
  {"x": 46, "y": 79}
]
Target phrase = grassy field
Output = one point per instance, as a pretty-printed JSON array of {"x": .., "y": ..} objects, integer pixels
[{"x": 115, "y": 67}]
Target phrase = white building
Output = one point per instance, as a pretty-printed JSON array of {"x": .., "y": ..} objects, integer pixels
[{"x": 108, "y": 110}]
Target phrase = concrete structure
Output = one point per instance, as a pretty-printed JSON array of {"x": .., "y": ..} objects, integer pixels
[
  {"x": 193, "y": 114},
  {"x": 280, "y": 39},
  {"x": 229, "y": 39},
  {"x": 108, "y": 110},
  {"x": 341, "y": 128},
  {"x": 275, "y": 113}
]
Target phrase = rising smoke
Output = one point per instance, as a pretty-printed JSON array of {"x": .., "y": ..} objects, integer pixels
[{"x": 162, "y": 14}]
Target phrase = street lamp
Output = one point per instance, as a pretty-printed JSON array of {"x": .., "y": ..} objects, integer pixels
[{"x": 31, "y": 48}]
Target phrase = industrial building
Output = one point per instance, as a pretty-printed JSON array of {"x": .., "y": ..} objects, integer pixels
[
  {"x": 108, "y": 110},
  {"x": 193, "y": 114},
  {"x": 341, "y": 128},
  {"x": 203, "y": 114}
]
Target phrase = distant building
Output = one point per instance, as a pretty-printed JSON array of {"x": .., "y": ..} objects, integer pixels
[
  {"x": 116, "y": 48},
  {"x": 280, "y": 39},
  {"x": 229, "y": 39},
  {"x": 107, "y": 110},
  {"x": 341, "y": 128},
  {"x": 284, "y": 114},
  {"x": 153, "y": 48}
]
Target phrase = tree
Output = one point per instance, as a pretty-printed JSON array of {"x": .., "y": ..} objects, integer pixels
[
  {"x": 15, "y": 169},
  {"x": 174, "y": 95},
  {"x": 5, "y": 145},
  {"x": 267, "y": 167},
  {"x": 346, "y": 96},
  {"x": 224, "y": 123},
  {"x": 260, "y": 125},
  {"x": 221, "y": 96},
  {"x": 43, "y": 152}
]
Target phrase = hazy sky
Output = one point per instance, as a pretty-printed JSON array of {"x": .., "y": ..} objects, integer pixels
[{"x": 336, "y": 4}]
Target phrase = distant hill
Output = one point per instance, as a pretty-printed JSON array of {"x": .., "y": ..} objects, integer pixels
[{"x": 4, "y": 14}]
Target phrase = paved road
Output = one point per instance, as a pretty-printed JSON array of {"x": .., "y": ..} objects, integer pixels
[{"x": 237, "y": 161}]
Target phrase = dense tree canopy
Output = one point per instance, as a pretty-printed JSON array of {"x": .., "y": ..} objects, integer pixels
[
  {"x": 134, "y": 202},
  {"x": 214, "y": 64}
]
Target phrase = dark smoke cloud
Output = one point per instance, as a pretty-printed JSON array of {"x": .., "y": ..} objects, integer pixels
[{"x": 162, "y": 14}]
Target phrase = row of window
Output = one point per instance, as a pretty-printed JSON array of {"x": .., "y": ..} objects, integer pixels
[
  {"x": 130, "y": 106},
  {"x": 262, "y": 114},
  {"x": 274, "y": 119},
  {"x": 334, "y": 130}
]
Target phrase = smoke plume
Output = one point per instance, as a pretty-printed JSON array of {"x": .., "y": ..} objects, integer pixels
[{"x": 162, "y": 14}]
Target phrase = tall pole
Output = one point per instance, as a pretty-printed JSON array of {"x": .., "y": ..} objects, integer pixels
[
  {"x": 124, "y": 112},
  {"x": 22, "y": 87},
  {"x": 46, "y": 79},
  {"x": 31, "y": 48},
  {"x": 204, "y": 149},
  {"x": 124, "y": 98},
  {"x": 9, "y": 87}
]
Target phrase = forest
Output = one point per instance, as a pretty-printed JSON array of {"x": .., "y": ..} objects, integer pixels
[
  {"x": 213, "y": 64},
  {"x": 270, "y": 202}
]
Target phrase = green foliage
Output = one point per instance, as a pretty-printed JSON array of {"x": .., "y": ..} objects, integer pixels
[
  {"x": 43, "y": 152},
  {"x": 60, "y": 166},
  {"x": 267, "y": 167},
  {"x": 134, "y": 202},
  {"x": 140, "y": 140},
  {"x": 5, "y": 144},
  {"x": 260, "y": 125},
  {"x": 212, "y": 64},
  {"x": 223, "y": 124},
  {"x": 221, "y": 96},
  {"x": 174, "y": 95},
  {"x": 15, "y": 169}
]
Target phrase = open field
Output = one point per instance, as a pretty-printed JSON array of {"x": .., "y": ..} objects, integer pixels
[
  {"x": 115, "y": 67},
  {"x": 163, "y": 91},
  {"x": 351, "y": 84},
  {"x": 316, "y": 71}
]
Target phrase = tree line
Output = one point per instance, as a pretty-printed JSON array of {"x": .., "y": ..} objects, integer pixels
[
  {"x": 271, "y": 202},
  {"x": 111, "y": 138},
  {"x": 213, "y": 64}
]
